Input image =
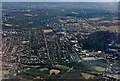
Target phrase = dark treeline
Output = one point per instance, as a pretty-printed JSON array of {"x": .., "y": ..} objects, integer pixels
[{"x": 98, "y": 40}]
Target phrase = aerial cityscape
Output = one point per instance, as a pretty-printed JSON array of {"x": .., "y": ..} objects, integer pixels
[{"x": 60, "y": 40}]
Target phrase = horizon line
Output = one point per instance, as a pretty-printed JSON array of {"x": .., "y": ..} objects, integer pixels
[{"x": 61, "y": 1}]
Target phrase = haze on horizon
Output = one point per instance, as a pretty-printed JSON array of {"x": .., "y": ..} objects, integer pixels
[{"x": 59, "y": 0}]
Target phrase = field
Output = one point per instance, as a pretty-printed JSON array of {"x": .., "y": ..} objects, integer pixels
[
  {"x": 27, "y": 14},
  {"x": 94, "y": 19},
  {"x": 5, "y": 72},
  {"x": 48, "y": 31},
  {"x": 43, "y": 69},
  {"x": 62, "y": 66},
  {"x": 88, "y": 58},
  {"x": 111, "y": 28},
  {"x": 8, "y": 24},
  {"x": 116, "y": 76},
  {"x": 100, "y": 68},
  {"x": 87, "y": 76},
  {"x": 108, "y": 21},
  {"x": 54, "y": 71}
]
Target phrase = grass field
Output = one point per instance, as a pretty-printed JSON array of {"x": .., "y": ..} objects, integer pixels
[
  {"x": 87, "y": 76},
  {"x": 48, "y": 31},
  {"x": 111, "y": 28},
  {"x": 27, "y": 14},
  {"x": 99, "y": 68},
  {"x": 94, "y": 19},
  {"x": 25, "y": 80},
  {"x": 62, "y": 66},
  {"x": 43, "y": 69},
  {"x": 5, "y": 72},
  {"x": 54, "y": 71},
  {"x": 116, "y": 76},
  {"x": 8, "y": 24},
  {"x": 107, "y": 21},
  {"x": 74, "y": 13}
]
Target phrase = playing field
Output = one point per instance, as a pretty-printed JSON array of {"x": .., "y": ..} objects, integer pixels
[{"x": 48, "y": 31}]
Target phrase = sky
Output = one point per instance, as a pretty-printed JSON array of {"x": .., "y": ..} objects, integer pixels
[{"x": 60, "y": 0}]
